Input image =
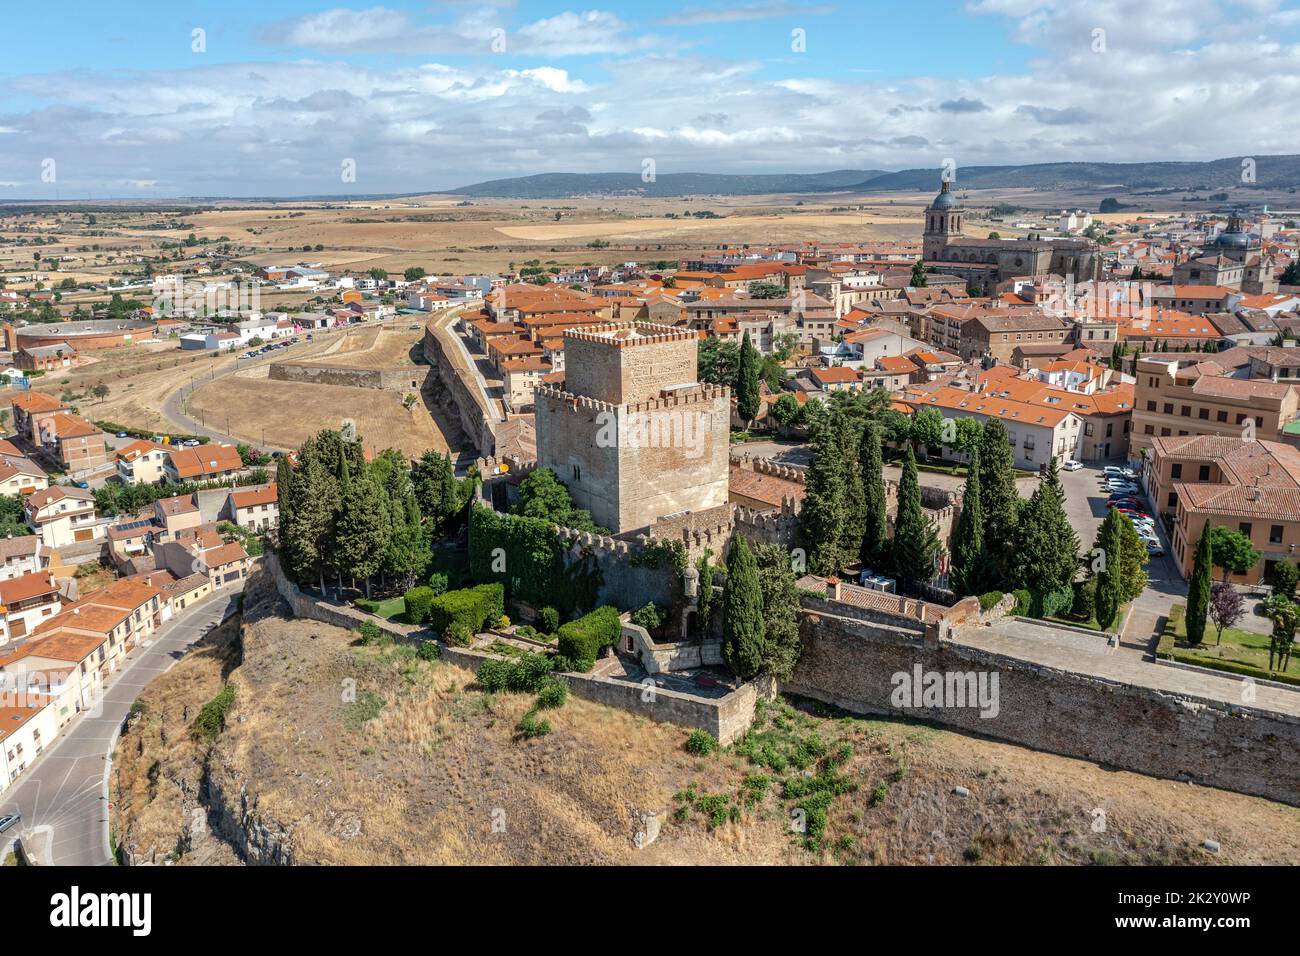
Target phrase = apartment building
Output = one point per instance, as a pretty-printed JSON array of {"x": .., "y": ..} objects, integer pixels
[
  {"x": 72, "y": 442},
  {"x": 1247, "y": 486},
  {"x": 255, "y": 509},
  {"x": 142, "y": 463},
  {"x": 26, "y": 729},
  {"x": 19, "y": 476},
  {"x": 26, "y": 602},
  {"x": 1036, "y": 431},
  {"x": 63, "y": 516},
  {"x": 1233, "y": 394},
  {"x": 203, "y": 463}
]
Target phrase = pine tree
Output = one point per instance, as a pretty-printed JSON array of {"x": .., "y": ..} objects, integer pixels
[
  {"x": 998, "y": 493},
  {"x": 1045, "y": 557},
  {"x": 822, "y": 514},
  {"x": 747, "y": 380},
  {"x": 1110, "y": 576},
  {"x": 742, "y": 612},
  {"x": 875, "y": 519},
  {"x": 969, "y": 558},
  {"x": 1198, "y": 593},
  {"x": 918, "y": 280},
  {"x": 915, "y": 543}
]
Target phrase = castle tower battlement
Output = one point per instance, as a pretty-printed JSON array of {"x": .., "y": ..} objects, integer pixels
[{"x": 634, "y": 434}]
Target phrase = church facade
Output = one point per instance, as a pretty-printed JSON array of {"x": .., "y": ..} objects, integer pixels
[{"x": 983, "y": 263}]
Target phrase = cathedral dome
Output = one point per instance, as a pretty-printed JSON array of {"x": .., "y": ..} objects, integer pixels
[
  {"x": 1233, "y": 240},
  {"x": 945, "y": 199}
]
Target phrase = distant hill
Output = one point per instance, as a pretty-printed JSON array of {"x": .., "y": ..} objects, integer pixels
[
  {"x": 562, "y": 185},
  {"x": 1276, "y": 172}
]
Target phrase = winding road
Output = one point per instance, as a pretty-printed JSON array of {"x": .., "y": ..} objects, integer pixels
[{"x": 65, "y": 793}]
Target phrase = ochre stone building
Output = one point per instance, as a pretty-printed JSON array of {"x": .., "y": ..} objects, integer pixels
[{"x": 634, "y": 434}]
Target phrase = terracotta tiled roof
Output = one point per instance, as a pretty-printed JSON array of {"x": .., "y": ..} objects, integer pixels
[{"x": 267, "y": 495}]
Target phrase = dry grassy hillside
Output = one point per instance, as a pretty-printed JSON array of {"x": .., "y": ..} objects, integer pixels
[{"x": 421, "y": 766}]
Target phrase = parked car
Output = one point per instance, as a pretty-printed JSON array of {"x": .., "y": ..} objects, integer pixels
[
  {"x": 1121, "y": 486},
  {"x": 83, "y": 484},
  {"x": 1072, "y": 465},
  {"x": 9, "y": 820},
  {"x": 1155, "y": 550},
  {"x": 121, "y": 435},
  {"x": 1127, "y": 501},
  {"x": 1114, "y": 471},
  {"x": 191, "y": 443}
]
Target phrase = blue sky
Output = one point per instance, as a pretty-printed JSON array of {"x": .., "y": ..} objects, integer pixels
[{"x": 419, "y": 98}]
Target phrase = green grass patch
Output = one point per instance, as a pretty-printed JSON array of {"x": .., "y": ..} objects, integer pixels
[
  {"x": 1244, "y": 653},
  {"x": 366, "y": 707},
  {"x": 390, "y": 609}
]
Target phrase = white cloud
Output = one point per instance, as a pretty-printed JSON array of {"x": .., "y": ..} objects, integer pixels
[{"x": 1211, "y": 89}]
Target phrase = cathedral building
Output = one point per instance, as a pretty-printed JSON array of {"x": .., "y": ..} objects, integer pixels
[
  {"x": 983, "y": 263},
  {"x": 1235, "y": 260}
]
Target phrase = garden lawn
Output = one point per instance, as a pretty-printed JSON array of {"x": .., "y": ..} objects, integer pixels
[
  {"x": 1242, "y": 651},
  {"x": 390, "y": 609}
]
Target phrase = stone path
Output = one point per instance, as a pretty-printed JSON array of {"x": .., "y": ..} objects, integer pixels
[{"x": 1084, "y": 654}]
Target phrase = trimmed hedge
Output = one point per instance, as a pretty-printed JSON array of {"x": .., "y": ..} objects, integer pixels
[
  {"x": 469, "y": 608},
  {"x": 520, "y": 675},
  {"x": 418, "y": 602},
  {"x": 581, "y": 641},
  {"x": 1234, "y": 667},
  {"x": 989, "y": 600}
]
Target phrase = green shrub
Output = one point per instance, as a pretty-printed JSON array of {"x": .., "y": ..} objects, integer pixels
[
  {"x": 650, "y": 617},
  {"x": 471, "y": 608},
  {"x": 582, "y": 641},
  {"x": 370, "y": 632},
  {"x": 1052, "y": 603},
  {"x": 1084, "y": 605},
  {"x": 458, "y": 634},
  {"x": 552, "y": 693},
  {"x": 524, "y": 674},
  {"x": 212, "y": 718},
  {"x": 701, "y": 743},
  {"x": 530, "y": 726},
  {"x": 548, "y": 619},
  {"x": 1023, "y": 602},
  {"x": 989, "y": 601},
  {"x": 438, "y": 583},
  {"x": 428, "y": 651},
  {"x": 418, "y": 602}
]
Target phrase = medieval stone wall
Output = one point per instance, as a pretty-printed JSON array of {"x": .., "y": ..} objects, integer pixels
[
  {"x": 404, "y": 379},
  {"x": 851, "y": 663}
]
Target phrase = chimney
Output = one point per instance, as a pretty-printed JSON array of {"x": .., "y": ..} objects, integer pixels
[{"x": 833, "y": 586}]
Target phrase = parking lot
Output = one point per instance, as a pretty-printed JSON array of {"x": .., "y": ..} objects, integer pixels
[{"x": 1085, "y": 506}]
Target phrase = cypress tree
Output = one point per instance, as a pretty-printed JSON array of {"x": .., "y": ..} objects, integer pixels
[
  {"x": 361, "y": 531},
  {"x": 1110, "y": 578},
  {"x": 915, "y": 543},
  {"x": 969, "y": 559},
  {"x": 312, "y": 509},
  {"x": 998, "y": 492},
  {"x": 284, "y": 502},
  {"x": 747, "y": 380},
  {"x": 742, "y": 612},
  {"x": 822, "y": 514},
  {"x": 855, "y": 505},
  {"x": 875, "y": 519},
  {"x": 1198, "y": 593}
]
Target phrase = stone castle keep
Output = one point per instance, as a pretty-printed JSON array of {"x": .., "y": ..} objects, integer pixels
[{"x": 634, "y": 434}]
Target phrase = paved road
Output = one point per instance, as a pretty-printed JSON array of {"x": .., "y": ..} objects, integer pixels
[
  {"x": 67, "y": 788},
  {"x": 1085, "y": 506}
]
